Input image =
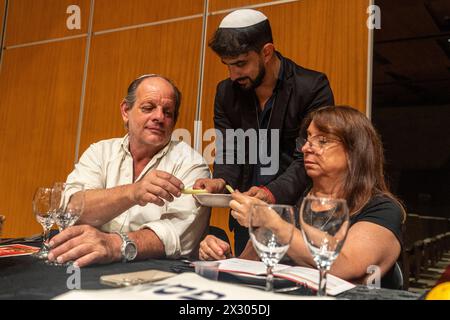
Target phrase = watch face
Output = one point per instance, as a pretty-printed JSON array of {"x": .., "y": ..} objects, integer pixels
[{"x": 130, "y": 251}]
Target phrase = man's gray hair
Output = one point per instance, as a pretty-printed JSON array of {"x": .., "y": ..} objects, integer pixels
[{"x": 130, "y": 98}]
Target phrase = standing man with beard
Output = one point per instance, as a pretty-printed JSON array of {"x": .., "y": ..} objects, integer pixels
[{"x": 268, "y": 94}]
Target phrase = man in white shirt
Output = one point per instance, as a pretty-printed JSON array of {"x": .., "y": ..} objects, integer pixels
[{"x": 134, "y": 207}]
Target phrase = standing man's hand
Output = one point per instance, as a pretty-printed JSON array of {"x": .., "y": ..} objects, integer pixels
[
  {"x": 155, "y": 187},
  {"x": 261, "y": 193},
  {"x": 211, "y": 185}
]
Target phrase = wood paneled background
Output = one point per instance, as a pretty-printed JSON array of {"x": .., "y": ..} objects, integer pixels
[
  {"x": 48, "y": 120},
  {"x": 2, "y": 15},
  {"x": 39, "y": 20},
  {"x": 40, "y": 101}
]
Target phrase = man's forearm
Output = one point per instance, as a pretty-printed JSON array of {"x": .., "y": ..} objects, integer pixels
[
  {"x": 101, "y": 206},
  {"x": 148, "y": 244}
]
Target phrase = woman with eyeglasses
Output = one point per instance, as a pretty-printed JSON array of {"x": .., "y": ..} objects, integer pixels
[{"x": 343, "y": 156}]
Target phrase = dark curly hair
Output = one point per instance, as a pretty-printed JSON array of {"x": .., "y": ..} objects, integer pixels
[{"x": 231, "y": 42}]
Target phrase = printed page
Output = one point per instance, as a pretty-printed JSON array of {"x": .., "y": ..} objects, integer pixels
[
  {"x": 310, "y": 278},
  {"x": 247, "y": 266}
]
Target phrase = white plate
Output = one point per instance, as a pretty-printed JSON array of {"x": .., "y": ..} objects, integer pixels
[{"x": 215, "y": 200}]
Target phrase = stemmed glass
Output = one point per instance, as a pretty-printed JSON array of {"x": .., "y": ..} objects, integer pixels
[
  {"x": 271, "y": 228},
  {"x": 68, "y": 200},
  {"x": 43, "y": 212},
  {"x": 324, "y": 224}
]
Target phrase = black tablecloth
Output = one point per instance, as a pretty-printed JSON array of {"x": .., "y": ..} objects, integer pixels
[{"x": 25, "y": 277}]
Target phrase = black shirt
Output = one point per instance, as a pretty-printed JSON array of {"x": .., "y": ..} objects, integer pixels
[
  {"x": 300, "y": 92},
  {"x": 264, "y": 117},
  {"x": 384, "y": 212},
  {"x": 380, "y": 210}
]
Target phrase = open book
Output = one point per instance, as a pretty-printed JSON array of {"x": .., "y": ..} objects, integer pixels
[{"x": 306, "y": 276}]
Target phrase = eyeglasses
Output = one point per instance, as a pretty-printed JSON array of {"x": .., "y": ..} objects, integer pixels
[{"x": 317, "y": 143}]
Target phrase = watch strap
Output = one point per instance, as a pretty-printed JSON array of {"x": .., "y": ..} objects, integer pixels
[{"x": 125, "y": 241}]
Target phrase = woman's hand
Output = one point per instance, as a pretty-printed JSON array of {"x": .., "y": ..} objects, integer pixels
[{"x": 241, "y": 207}]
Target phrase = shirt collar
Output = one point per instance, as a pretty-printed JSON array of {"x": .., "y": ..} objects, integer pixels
[{"x": 125, "y": 145}]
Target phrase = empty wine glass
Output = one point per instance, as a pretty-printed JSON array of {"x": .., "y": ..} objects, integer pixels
[
  {"x": 271, "y": 228},
  {"x": 43, "y": 212},
  {"x": 68, "y": 200},
  {"x": 324, "y": 224}
]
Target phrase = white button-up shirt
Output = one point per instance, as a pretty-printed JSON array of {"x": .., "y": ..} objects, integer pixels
[{"x": 179, "y": 224}]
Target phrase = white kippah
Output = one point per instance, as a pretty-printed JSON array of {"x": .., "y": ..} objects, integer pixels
[{"x": 242, "y": 18}]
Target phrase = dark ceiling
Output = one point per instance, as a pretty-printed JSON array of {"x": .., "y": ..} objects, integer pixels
[{"x": 412, "y": 53}]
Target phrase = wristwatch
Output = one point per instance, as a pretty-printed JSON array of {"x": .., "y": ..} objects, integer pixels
[{"x": 128, "y": 248}]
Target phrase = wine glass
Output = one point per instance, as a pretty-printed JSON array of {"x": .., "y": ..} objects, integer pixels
[
  {"x": 68, "y": 200},
  {"x": 43, "y": 212},
  {"x": 324, "y": 224},
  {"x": 271, "y": 228}
]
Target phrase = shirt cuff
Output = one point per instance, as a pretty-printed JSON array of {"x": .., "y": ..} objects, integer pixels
[{"x": 167, "y": 235}]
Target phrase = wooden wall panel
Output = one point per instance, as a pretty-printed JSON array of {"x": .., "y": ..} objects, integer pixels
[
  {"x": 216, "y": 5},
  {"x": 330, "y": 36},
  {"x": 40, "y": 88},
  {"x": 116, "y": 59},
  {"x": 325, "y": 35},
  {"x": 109, "y": 14},
  {"x": 36, "y": 20},
  {"x": 2, "y": 16}
]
